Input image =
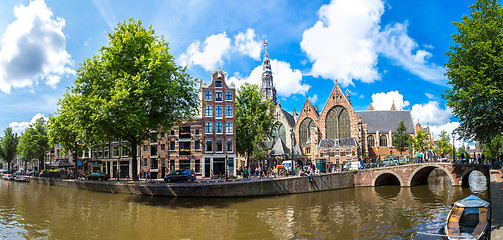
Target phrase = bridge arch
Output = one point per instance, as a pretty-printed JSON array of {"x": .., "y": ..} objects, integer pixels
[
  {"x": 463, "y": 180},
  {"x": 420, "y": 175},
  {"x": 387, "y": 178}
]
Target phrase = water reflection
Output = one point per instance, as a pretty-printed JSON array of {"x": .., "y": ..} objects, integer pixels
[{"x": 32, "y": 211}]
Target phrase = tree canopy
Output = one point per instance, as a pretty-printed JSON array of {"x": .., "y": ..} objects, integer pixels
[
  {"x": 255, "y": 122},
  {"x": 443, "y": 146},
  {"x": 475, "y": 72},
  {"x": 8, "y": 146},
  {"x": 34, "y": 142},
  {"x": 401, "y": 139},
  {"x": 131, "y": 87},
  {"x": 420, "y": 142}
]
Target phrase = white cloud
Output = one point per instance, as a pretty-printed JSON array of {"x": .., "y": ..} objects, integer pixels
[
  {"x": 431, "y": 113},
  {"x": 313, "y": 99},
  {"x": 210, "y": 56},
  {"x": 288, "y": 81},
  {"x": 447, "y": 127},
  {"x": 384, "y": 101},
  {"x": 33, "y": 47},
  {"x": 429, "y": 96},
  {"x": 106, "y": 12},
  {"x": 395, "y": 44},
  {"x": 347, "y": 40},
  {"x": 341, "y": 44},
  {"x": 245, "y": 44},
  {"x": 19, "y": 127}
]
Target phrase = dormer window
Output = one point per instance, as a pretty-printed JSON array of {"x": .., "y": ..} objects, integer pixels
[{"x": 218, "y": 83}]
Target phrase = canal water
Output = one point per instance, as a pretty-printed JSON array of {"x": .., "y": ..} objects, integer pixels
[{"x": 35, "y": 211}]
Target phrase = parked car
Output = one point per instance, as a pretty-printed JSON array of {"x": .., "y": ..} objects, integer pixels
[
  {"x": 390, "y": 162},
  {"x": 50, "y": 173},
  {"x": 97, "y": 176},
  {"x": 180, "y": 175}
]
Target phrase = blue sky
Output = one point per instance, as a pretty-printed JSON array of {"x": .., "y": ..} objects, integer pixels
[{"x": 382, "y": 51}]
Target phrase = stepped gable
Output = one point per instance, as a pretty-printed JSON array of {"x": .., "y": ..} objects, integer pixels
[
  {"x": 386, "y": 120},
  {"x": 337, "y": 98}
]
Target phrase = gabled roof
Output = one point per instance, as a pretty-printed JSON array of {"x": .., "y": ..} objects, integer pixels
[
  {"x": 279, "y": 149},
  {"x": 289, "y": 117},
  {"x": 385, "y": 121},
  {"x": 332, "y": 143}
]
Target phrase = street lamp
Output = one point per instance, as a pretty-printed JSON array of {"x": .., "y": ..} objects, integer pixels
[
  {"x": 453, "y": 146},
  {"x": 293, "y": 161}
]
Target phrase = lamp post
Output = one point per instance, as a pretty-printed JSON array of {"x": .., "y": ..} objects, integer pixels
[
  {"x": 293, "y": 161},
  {"x": 453, "y": 146}
]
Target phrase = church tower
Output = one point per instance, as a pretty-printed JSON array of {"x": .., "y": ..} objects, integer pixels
[{"x": 268, "y": 89}]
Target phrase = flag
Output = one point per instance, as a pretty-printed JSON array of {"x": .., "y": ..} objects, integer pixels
[{"x": 265, "y": 43}]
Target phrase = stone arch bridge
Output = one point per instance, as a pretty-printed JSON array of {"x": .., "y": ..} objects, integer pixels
[{"x": 417, "y": 174}]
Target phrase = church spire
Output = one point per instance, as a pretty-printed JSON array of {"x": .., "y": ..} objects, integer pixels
[
  {"x": 393, "y": 107},
  {"x": 268, "y": 89}
]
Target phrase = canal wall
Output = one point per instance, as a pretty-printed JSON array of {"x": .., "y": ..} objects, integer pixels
[
  {"x": 232, "y": 188},
  {"x": 496, "y": 191}
]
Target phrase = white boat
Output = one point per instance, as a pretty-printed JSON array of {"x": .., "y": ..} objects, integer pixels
[{"x": 468, "y": 219}]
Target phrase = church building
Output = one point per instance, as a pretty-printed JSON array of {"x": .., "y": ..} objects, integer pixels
[{"x": 337, "y": 134}]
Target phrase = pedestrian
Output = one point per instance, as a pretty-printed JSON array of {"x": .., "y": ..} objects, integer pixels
[
  {"x": 148, "y": 173},
  {"x": 141, "y": 174},
  {"x": 245, "y": 173}
]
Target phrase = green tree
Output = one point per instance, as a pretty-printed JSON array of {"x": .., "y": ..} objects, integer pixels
[
  {"x": 8, "y": 146},
  {"x": 66, "y": 127},
  {"x": 34, "y": 142},
  {"x": 401, "y": 139},
  {"x": 493, "y": 148},
  {"x": 133, "y": 86},
  {"x": 474, "y": 72},
  {"x": 443, "y": 146},
  {"x": 420, "y": 142},
  {"x": 255, "y": 122}
]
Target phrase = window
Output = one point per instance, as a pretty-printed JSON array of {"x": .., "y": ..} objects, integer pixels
[
  {"x": 153, "y": 150},
  {"x": 371, "y": 142},
  {"x": 228, "y": 96},
  {"x": 218, "y": 83},
  {"x": 207, "y": 95},
  {"x": 209, "y": 145},
  {"x": 228, "y": 111},
  {"x": 172, "y": 145},
  {"x": 305, "y": 131},
  {"x": 383, "y": 141},
  {"x": 197, "y": 145},
  {"x": 218, "y": 145},
  {"x": 209, "y": 127},
  {"x": 153, "y": 163},
  {"x": 208, "y": 111},
  {"x": 228, "y": 145},
  {"x": 117, "y": 151},
  {"x": 337, "y": 123},
  {"x": 106, "y": 152},
  {"x": 172, "y": 132},
  {"x": 171, "y": 165},
  {"x": 279, "y": 132},
  {"x": 197, "y": 131},
  {"x": 145, "y": 162},
  {"x": 218, "y": 111},
  {"x": 163, "y": 147},
  {"x": 184, "y": 165},
  {"x": 228, "y": 128},
  {"x": 197, "y": 166},
  {"x": 218, "y": 127},
  {"x": 162, "y": 134},
  {"x": 218, "y": 96},
  {"x": 145, "y": 148}
]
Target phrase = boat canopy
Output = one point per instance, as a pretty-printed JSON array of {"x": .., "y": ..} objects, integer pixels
[{"x": 472, "y": 201}]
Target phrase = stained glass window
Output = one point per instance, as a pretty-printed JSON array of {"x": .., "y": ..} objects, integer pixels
[
  {"x": 338, "y": 123},
  {"x": 305, "y": 131},
  {"x": 371, "y": 142},
  {"x": 383, "y": 141}
]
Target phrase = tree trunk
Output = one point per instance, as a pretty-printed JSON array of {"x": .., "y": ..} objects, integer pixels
[{"x": 134, "y": 162}]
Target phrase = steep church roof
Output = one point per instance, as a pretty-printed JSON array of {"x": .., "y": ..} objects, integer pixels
[
  {"x": 279, "y": 149},
  {"x": 289, "y": 117},
  {"x": 385, "y": 121}
]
